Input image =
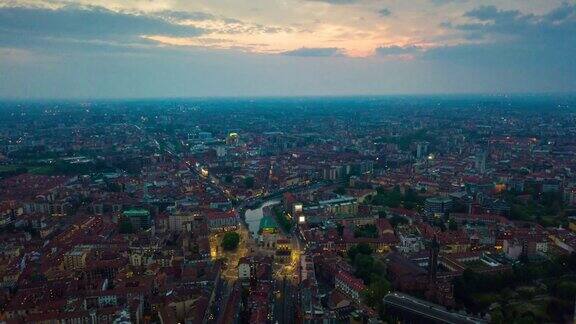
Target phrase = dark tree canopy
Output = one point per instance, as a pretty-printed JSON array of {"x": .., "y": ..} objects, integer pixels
[{"x": 230, "y": 241}]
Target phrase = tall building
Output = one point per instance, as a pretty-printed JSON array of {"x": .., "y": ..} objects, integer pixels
[
  {"x": 232, "y": 139},
  {"x": 433, "y": 260},
  {"x": 480, "y": 162},
  {"x": 205, "y": 136},
  {"x": 421, "y": 150},
  {"x": 139, "y": 218},
  {"x": 75, "y": 259},
  {"x": 177, "y": 220},
  {"x": 434, "y": 206}
]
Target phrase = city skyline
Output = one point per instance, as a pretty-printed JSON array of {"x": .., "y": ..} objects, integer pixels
[
  {"x": 456, "y": 209},
  {"x": 142, "y": 49}
]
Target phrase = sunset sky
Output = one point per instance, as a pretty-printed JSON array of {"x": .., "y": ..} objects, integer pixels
[{"x": 166, "y": 48}]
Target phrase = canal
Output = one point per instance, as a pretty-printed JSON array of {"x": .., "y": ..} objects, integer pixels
[{"x": 253, "y": 216}]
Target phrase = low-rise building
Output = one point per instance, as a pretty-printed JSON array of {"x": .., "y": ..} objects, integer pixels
[{"x": 349, "y": 285}]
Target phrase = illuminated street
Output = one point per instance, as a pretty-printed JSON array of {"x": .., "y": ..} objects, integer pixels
[{"x": 230, "y": 258}]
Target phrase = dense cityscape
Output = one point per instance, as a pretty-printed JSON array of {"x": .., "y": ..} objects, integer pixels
[{"x": 417, "y": 209}]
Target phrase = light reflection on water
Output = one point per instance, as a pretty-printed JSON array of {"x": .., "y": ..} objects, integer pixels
[{"x": 253, "y": 216}]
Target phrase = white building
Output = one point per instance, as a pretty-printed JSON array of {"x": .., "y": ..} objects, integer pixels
[
  {"x": 222, "y": 220},
  {"x": 410, "y": 244},
  {"x": 177, "y": 221},
  {"x": 244, "y": 270}
]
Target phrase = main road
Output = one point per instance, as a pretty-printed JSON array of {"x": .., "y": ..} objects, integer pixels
[{"x": 286, "y": 278}]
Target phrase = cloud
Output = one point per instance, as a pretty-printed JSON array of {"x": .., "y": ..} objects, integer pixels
[
  {"x": 385, "y": 12},
  {"x": 502, "y": 50},
  {"x": 485, "y": 13},
  {"x": 394, "y": 50},
  {"x": 443, "y": 2},
  {"x": 218, "y": 23},
  {"x": 564, "y": 12},
  {"x": 556, "y": 28},
  {"x": 335, "y": 2},
  {"x": 315, "y": 52},
  {"x": 509, "y": 40},
  {"x": 184, "y": 15},
  {"x": 21, "y": 26},
  {"x": 89, "y": 51}
]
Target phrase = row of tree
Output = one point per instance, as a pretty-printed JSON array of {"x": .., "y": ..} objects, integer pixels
[
  {"x": 394, "y": 198},
  {"x": 371, "y": 271}
]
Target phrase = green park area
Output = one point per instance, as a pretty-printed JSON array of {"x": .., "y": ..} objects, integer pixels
[
  {"x": 230, "y": 241},
  {"x": 282, "y": 219},
  {"x": 371, "y": 270},
  {"x": 531, "y": 292},
  {"x": 394, "y": 198},
  {"x": 59, "y": 167},
  {"x": 368, "y": 230}
]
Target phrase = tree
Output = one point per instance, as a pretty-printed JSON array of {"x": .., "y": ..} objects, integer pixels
[
  {"x": 365, "y": 249},
  {"x": 340, "y": 229},
  {"x": 228, "y": 178},
  {"x": 375, "y": 292},
  {"x": 452, "y": 225},
  {"x": 361, "y": 248},
  {"x": 566, "y": 290},
  {"x": 558, "y": 310},
  {"x": 249, "y": 182},
  {"x": 230, "y": 241},
  {"x": 364, "y": 264},
  {"x": 496, "y": 316},
  {"x": 282, "y": 220},
  {"x": 340, "y": 191},
  {"x": 10, "y": 172},
  {"x": 398, "y": 220},
  {"x": 412, "y": 199},
  {"x": 390, "y": 199},
  {"x": 125, "y": 226},
  {"x": 368, "y": 230},
  {"x": 114, "y": 187}
]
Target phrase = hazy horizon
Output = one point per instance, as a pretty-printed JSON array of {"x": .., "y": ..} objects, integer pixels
[{"x": 517, "y": 95}]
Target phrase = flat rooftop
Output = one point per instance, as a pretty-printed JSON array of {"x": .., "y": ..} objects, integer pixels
[{"x": 427, "y": 310}]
